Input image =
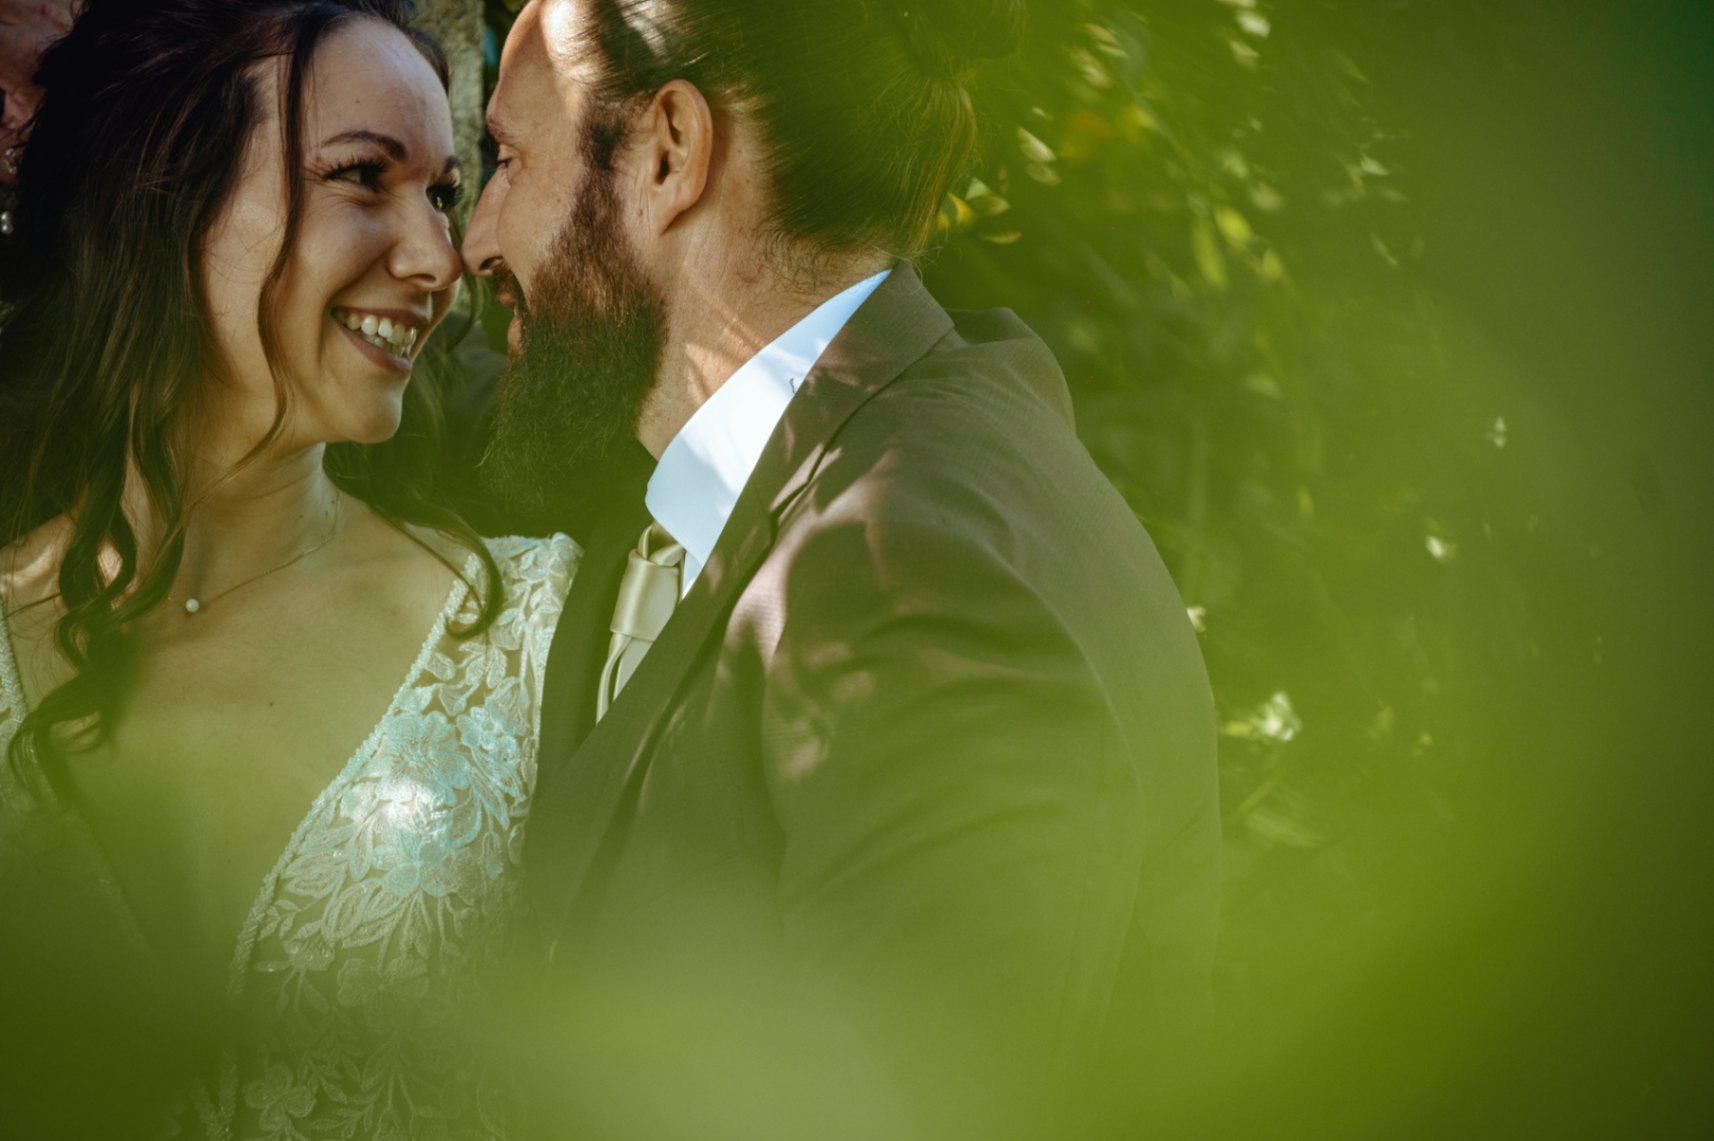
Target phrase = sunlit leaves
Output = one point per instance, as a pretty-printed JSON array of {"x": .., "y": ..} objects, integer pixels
[
  {"x": 1254, "y": 24},
  {"x": 975, "y": 212},
  {"x": 1202, "y": 218},
  {"x": 1210, "y": 260},
  {"x": 1275, "y": 721},
  {"x": 1034, "y": 149}
]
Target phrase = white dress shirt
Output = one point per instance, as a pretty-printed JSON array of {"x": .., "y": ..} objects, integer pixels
[{"x": 705, "y": 467}]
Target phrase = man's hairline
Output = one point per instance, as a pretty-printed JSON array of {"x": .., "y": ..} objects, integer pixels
[{"x": 563, "y": 64}]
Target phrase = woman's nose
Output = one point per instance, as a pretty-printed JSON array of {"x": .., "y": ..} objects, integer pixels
[{"x": 425, "y": 253}]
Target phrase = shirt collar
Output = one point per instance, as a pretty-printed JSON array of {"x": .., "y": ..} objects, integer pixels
[{"x": 705, "y": 467}]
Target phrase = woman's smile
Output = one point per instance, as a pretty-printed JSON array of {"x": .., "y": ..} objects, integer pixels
[{"x": 386, "y": 336}]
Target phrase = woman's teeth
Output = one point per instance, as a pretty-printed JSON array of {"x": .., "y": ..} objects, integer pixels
[{"x": 379, "y": 331}]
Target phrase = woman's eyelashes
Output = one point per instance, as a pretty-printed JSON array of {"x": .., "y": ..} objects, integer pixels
[
  {"x": 364, "y": 172},
  {"x": 445, "y": 194}
]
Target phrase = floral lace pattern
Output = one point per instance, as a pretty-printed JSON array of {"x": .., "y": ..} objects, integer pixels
[{"x": 353, "y": 973}]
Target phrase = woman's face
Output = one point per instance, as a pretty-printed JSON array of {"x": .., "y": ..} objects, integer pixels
[{"x": 373, "y": 269}]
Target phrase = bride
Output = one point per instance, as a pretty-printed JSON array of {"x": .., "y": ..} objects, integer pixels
[{"x": 269, "y": 717}]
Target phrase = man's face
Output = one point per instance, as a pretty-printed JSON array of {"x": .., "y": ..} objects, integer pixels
[
  {"x": 588, "y": 327},
  {"x": 536, "y": 119}
]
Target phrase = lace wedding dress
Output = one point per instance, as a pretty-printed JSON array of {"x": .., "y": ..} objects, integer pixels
[{"x": 351, "y": 979}]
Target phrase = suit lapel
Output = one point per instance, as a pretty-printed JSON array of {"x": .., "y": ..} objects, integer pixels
[
  {"x": 575, "y": 808},
  {"x": 580, "y": 644},
  {"x": 581, "y": 640}
]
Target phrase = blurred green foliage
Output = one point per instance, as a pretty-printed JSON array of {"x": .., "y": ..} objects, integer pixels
[{"x": 1193, "y": 203}]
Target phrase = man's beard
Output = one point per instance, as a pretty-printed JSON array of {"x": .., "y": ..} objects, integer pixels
[{"x": 593, "y": 332}]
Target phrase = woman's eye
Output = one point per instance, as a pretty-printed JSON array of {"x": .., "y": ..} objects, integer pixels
[
  {"x": 365, "y": 174},
  {"x": 446, "y": 196}
]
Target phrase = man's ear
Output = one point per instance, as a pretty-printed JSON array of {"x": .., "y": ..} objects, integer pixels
[{"x": 674, "y": 154}]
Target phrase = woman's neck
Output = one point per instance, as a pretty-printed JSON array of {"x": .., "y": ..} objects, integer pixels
[{"x": 248, "y": 522}]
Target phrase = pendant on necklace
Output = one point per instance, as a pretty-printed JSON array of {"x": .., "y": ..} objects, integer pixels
[{"x": 191, "y": 606}]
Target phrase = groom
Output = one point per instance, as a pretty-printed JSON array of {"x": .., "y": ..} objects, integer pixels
[{"x": 872, "y": 704}]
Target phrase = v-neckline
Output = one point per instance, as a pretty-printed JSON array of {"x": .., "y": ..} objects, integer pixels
[
  {"x": 238, "y": 967},
  {"x": 245, "y": 944}
]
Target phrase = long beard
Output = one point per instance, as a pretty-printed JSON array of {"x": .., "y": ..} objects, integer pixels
[{"x": 594, "y": 329}]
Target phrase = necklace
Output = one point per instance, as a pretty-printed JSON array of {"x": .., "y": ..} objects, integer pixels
[{"x": 195, "y": 606}]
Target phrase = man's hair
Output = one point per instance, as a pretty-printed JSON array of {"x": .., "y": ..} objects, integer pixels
[{"x": 864, "y": 105}]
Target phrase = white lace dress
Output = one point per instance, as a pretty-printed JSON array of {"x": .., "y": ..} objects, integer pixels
[{"x": 351, "y": 976}]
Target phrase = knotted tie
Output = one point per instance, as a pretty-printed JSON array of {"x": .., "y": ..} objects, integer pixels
[{"x": 647, "y": 595}]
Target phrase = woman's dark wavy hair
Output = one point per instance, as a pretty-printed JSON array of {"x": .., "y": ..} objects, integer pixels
[
  {"x": 865, "y": 105},
  {"x": 147, "y": 107}
]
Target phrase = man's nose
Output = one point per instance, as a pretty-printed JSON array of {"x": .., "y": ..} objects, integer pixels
[{"x": 481, "y": 250}]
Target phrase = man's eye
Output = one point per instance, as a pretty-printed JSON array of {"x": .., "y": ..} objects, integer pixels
[{"x": 496, "y": 167}]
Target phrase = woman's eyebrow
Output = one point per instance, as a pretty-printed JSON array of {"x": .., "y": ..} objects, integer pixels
[{"x": 396, "y": 150}]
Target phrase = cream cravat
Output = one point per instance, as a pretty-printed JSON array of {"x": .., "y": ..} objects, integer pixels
[{"x": 647, "y": 595}]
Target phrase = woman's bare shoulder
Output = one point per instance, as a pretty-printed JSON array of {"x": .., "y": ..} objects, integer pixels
[
  {"x": 438, "y": 546},
  {"x": 30, "y": 566}
]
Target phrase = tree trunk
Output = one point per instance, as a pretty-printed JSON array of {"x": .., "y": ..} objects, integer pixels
[{"x": 457, "y": 24}]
